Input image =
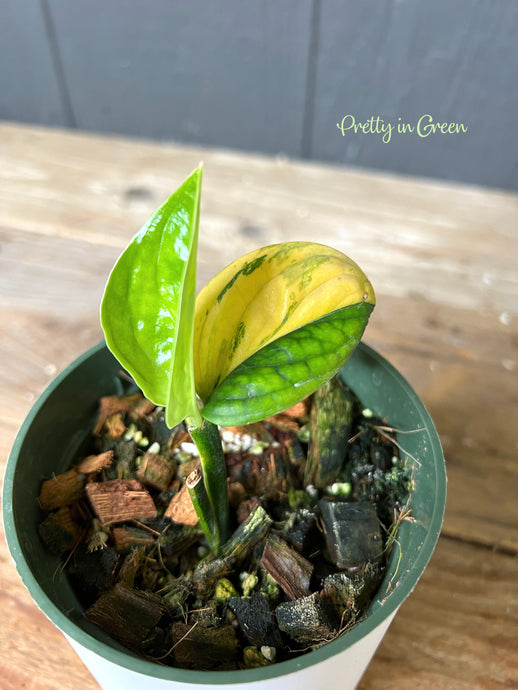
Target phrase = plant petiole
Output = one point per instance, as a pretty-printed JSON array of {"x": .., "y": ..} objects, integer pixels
[{"x": 210, "y": 493}]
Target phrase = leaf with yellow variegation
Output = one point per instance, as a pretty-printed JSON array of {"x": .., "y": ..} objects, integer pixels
[
  {"x": 288, "y": 369},
  {"x": 266, "y": 295}
]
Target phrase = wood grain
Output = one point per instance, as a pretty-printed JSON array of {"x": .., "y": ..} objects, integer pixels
[
  {"x": 458, "y": 630},
  {"x": 443, "y": 261}
]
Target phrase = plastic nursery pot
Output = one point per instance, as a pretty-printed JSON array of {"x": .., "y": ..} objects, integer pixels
[{"x": 54, "y": 432}]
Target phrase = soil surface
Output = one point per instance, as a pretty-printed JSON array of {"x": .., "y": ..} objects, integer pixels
[{"x": 316, "y": 495}]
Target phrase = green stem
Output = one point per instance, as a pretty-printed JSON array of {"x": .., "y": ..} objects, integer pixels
[
  {"x": 201, "y": 503},
  {"x": 207, "y": 439}
]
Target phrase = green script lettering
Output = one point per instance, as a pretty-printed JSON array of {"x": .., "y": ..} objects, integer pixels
[
  {"x": 405, "y": 127},
  {"x": 341, "y": 125},
  {"x": 424, "y": 130},
  {"x": 387, "y": 129}
]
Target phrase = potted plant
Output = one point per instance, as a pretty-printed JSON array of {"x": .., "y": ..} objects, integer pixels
[{"x": 264, "y": 334}]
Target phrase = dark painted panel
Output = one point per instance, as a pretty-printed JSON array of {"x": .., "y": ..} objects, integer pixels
[
  {"x": 29, "y": 88},
  {"x": 457, "y": 61},
  {"x": 226, "y": 74}
]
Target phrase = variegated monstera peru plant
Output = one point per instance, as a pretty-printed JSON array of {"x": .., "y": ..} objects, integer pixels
[{"x": 263, "y": 334}]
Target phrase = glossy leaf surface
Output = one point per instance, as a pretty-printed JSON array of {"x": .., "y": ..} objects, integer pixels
[
  {"x": 265, "y": 295},
  {"x": 147, "y": 312},
  {"x": 288, "y": 369}
]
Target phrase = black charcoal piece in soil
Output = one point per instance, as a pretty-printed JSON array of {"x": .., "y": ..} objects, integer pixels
[
  {"x": 256, "y": 620},
  {"x": 126, "y": 614},
  {"x": 92, "y": 572},
  {"x": 204, "y": 648},
  {"x": 330, "y": 424},
  {"x": 307, "y": 620},
  {"x": 352, "y": 532},
  {"x": 302, "y": 533}
]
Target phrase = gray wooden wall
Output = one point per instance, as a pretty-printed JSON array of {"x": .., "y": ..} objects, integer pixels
[{"x": 276, "y": 76}]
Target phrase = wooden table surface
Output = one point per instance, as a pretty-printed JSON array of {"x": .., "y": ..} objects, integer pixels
[{"x": 443, "y": 259}]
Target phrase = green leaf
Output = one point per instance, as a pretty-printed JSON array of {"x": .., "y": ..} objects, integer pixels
[
  {"x": 264, "y": 295},
  {"x": 147, "y": 312},
  {"x": 288, "y": 369}
]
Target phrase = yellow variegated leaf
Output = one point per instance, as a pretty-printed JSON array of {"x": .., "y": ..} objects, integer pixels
[{"x": 264, "y": 295}]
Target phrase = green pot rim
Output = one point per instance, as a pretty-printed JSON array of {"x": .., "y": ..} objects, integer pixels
[{"x": 377, "y": 614}]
